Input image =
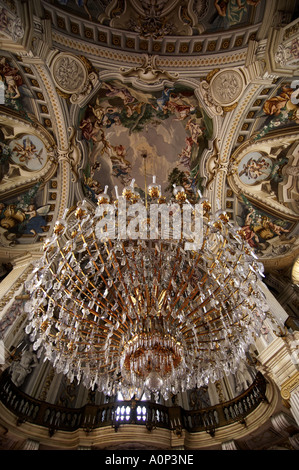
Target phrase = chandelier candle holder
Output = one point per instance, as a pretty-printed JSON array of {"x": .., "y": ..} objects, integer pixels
[{"x": 145, "y": 314}]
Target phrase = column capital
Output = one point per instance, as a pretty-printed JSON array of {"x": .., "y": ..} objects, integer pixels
[{"x": 289, "y": 385}]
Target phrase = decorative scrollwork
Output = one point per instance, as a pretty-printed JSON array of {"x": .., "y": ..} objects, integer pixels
[{"x": 149, "y": 72}]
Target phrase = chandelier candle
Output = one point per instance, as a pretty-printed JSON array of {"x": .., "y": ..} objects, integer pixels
[{"x": 159, "y": 302}]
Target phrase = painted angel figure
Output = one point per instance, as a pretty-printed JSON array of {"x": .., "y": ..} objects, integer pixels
[
  {"x": 255, "y": 168},
  {"x": 27, "y": 151},
  {"x": 80, "y": 3},
  {"x": 12, "y": 78},
  {"x": 35, "y": 219},
  {"x": 231, "y": 12}
]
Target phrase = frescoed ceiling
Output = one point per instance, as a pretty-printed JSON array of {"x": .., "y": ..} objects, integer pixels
[
  {"x": 73, "y": 121},
  {"x": 133, "y": 134},
  {"x": 160, "y": 18}
]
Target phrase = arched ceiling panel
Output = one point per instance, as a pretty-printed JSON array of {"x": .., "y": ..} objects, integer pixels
[
  {"x": 136, "y": 134},
  {"x": 197, "y": 97}
]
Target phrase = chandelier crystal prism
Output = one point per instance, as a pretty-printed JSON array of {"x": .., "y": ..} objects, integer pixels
[{"x": 145, "y": 315}]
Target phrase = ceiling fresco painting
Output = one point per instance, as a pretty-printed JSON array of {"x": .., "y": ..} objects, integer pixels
[
  {"x": 161, "y": 18},
  {"x": 26, "y": 151},
  {"x": 23, "y": 217},
  {"x": 265, "y": 182},
  {"x": 278, "y": 111},
  {"x": 21, "y": 155},
  {"x": 27, "y": 163},
  {"x": 89, "y": 8},
  {"x": 16, "y": 93},
  {"x": 123, "y": 125},
  {"x": 266, "y": 234},
  {"x": 12, "y": 82},
  {"x": 256, "y": 167},
  {"x": 232, "y": 13},
  {"x": 268, "y": 172}
]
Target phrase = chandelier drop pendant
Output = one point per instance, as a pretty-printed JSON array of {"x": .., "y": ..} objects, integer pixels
[{"x": 145, "y": 314}]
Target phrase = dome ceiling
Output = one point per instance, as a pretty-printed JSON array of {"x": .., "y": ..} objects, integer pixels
[
  {"x": 78, "y": 116},
  {"x": 133, "y": 134},
  {"x": 159, "y": 18}
]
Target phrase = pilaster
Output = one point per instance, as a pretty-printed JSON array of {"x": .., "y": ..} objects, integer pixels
[
  {"x": 280, "y": 362},
  {"x": 291, "y": 390}
]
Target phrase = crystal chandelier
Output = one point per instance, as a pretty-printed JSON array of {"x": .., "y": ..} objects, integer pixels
[{"x": 144, "y": 315}]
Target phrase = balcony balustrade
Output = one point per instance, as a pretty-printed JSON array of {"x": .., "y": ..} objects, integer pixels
[{"x": 151, "y": 415}]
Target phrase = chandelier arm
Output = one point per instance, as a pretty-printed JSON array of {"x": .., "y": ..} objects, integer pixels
[
  {"x": 62, "y": 307},
  {"x": 213, "y": 310},
  {"x": 132, "y": 281},
  {"x": 187, "y": 301},
  {"x": 87, "y": 248},
  {"x": 124, "y": 307},
  {"x": 76, "y": 300},
  {"x": 102, "y": 261},
  {"x": 177, "y": 299},
  {"x": 174, "y": 271},
  {"x": 96, "y": 266},
  {"x": 159, "y": 270},
  {"x": 207, "y": 300},
  {"x": 142, "y": 265},
  {"x": 136, "y": 289},
  {"x": 193, "y": 268},
  {"x": 82, "y": 333},
  {"x": 211, "y": 321},
  {"x": 97, "y": 301},
  {"x": 179, "y": 294},
  {"x": 149, "y": 299},
  {"x": 108, "y": 274},
  {"x": 227, "y": 311},
  {"x": 104, "y": 366}
]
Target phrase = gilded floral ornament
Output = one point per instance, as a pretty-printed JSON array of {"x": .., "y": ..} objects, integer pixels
[
  {"x": 148, "y": 72},
  {"x": 226, "y": 86}
]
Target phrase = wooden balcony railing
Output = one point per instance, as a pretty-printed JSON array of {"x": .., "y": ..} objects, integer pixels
[{"x": 152, "y": 415}]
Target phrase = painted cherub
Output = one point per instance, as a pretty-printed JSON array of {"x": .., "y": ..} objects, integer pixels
[{"x": 80, "y": 3}]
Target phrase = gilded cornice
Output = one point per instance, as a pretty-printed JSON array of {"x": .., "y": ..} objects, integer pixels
[{"x": 104, "y": 57}]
